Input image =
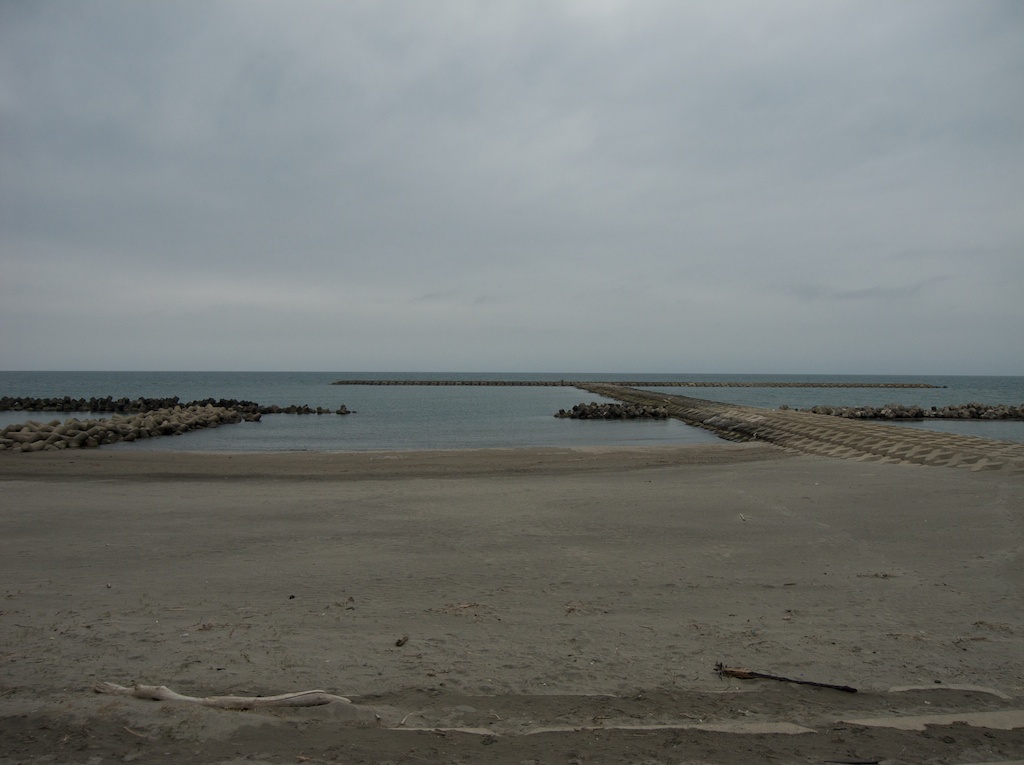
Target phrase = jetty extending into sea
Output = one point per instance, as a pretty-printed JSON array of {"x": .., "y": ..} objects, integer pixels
[
  {"x": 806, "y": 432},
  {"x": 827, "y": 436}
]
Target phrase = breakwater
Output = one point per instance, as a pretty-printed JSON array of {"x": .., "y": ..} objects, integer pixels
[
  {"x": 73, "y": 433},
  {"x": 972, "y": 411},
  {"x": 606, "y": 411},
  {"x": 826, "y": 435},
  {"x": 641, "y": 384},
  {"x": 125, "y": 405}
]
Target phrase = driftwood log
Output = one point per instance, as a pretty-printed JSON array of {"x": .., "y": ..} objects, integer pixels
[
  {"x": 163, "y": 693},
  {"x": 741, "y": 673}
]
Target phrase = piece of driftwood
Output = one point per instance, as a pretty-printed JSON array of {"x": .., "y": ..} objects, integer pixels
[
  {"x": 746, "y": 674},
  {"x": 163, "y": 693}
]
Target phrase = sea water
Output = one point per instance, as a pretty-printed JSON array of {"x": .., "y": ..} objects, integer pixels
[{"x": 461, "y": 417}]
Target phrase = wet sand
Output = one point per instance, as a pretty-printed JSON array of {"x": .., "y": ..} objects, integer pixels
[{"x": 552, "y": 605}]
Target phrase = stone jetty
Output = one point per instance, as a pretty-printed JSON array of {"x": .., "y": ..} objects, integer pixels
[
  {"x": 826, "y": 435},
  {"x": 609, "y": 411},
  {"x": 73, "y": 433}
]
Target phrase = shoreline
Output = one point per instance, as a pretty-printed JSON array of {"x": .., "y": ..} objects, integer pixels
[
  {"x": 125, "y": 464},
  {"x": 509, "y": 604}
]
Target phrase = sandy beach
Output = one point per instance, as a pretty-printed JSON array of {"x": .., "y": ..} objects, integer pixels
[{"x": 510, "y": 606}]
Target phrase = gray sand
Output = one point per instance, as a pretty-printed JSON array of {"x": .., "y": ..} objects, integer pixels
[{"x": 556, "y": 589}]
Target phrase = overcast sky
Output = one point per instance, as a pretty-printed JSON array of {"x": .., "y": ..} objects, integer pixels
[{"x": 590, "y": 185}]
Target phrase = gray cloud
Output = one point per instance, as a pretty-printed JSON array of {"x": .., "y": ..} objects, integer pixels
[
  {"x": 536, "y": 185},
  {"x": 875, "y": 292}
]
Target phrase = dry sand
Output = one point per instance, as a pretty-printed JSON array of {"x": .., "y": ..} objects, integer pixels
[{"x": 559, "y": 605}]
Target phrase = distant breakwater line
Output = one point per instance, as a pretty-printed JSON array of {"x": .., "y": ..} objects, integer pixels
[
  {"x": 85, "y": 434},
  {"x": 641, "y": 384},
  {"x": 972, "y": 411},
  {"x": 126, "y": 405}
]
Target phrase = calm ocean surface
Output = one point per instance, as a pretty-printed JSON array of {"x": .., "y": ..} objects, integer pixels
[{"x": 417, "y": 417}]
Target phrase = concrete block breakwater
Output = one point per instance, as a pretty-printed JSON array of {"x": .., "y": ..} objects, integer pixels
[
  {"x": 80, "y": 434},
  {"x": 126, "y": 405},
  {"x": 596, "y": 411},
  {"x": 972, "y": 411},
  {"x": 643, "y": 383}
]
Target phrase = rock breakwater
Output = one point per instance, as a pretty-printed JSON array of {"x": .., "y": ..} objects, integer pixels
[
  {"x": 127, "y": 405},
  {"x": 972, "y": 411},
  {"x": 596, "y": 411},
  {"x": 73, "y": 433}
]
